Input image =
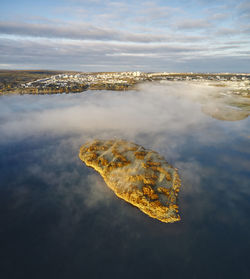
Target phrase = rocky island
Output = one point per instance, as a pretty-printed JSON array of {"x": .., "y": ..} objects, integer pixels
[{"x": 139, "y": 176}]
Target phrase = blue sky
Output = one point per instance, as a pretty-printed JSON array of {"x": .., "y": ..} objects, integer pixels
[{"x": 95, "y": 35}]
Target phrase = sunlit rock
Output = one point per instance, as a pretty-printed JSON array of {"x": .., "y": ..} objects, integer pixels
[{"x": 141, "y": 177}]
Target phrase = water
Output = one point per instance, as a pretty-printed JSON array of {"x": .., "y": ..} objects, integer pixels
[{"x": 59, "y": 220}]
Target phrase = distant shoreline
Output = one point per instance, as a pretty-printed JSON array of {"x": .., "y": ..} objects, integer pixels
[{"x": 56, "y": 82}]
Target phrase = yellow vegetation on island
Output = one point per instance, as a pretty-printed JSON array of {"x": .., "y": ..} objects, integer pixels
[{"x": 139, "y": 176}]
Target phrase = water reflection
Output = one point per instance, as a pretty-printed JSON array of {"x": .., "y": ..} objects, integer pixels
[{"x": 59, "y": 220}]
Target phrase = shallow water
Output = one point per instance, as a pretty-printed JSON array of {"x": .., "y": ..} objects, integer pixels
[{"x": 59, "y": 220}]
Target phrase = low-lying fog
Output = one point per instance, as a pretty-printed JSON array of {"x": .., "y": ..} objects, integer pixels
[
  {"x": 173, "y": 109},
  {"x": 159, "y": 116}
]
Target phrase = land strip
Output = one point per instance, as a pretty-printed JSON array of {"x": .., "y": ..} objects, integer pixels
[{"x": 49, "y": 82}]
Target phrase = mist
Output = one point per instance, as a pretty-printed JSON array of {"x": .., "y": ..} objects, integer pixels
[
  {"x": 172, "y": 108},
  {"x": 175, "y": 119}
]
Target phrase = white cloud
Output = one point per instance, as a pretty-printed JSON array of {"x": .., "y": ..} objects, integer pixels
[{"x": 164, "y": 34}]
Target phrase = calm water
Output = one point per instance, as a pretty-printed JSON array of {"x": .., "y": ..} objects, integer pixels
[{"x": 59, "y": 220}]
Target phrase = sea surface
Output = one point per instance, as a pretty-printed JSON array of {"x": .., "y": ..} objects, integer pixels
[{"x": 58, "y": 219}]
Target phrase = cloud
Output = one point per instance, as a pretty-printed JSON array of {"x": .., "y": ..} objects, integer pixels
[
  {"x": 244, "y": 7},
  {"x": 153, "y": 13},
  {"x": 193, "y": 24},
  {"x": 82, "y": 31},
  {"x": 95, "y": 53},
  {"x": 119, "y": 56},
  {"x": 77, "y": 31},
  {"x": 159, "y": 37},
  {"x": 228, "y": 31}
]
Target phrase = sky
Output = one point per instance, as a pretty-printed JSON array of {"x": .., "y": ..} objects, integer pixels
[{"x": 149, "y": 36}]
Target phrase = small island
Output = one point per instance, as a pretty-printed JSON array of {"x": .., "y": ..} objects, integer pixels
[{"x": 139, "y": 176}]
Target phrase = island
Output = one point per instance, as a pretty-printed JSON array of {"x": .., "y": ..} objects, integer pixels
[{"x": 137, "y": 175}]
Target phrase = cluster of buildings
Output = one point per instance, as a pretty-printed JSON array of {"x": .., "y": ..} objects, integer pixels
[
  {"x": 62, "y": 80},
  {"x": 237, "y": 81}
]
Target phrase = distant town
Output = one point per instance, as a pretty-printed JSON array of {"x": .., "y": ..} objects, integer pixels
[{"x": 64, "y": 82}]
